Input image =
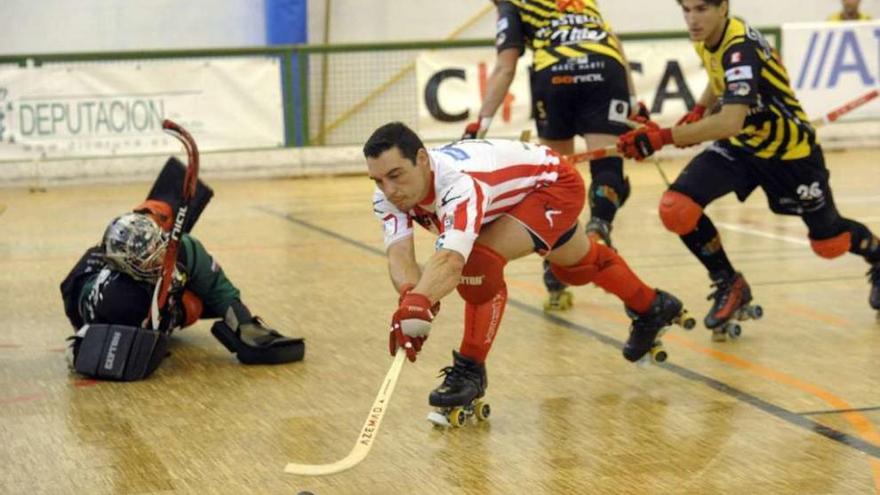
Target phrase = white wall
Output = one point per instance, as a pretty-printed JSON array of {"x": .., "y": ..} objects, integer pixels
[
  {"x": 384, "y": 20},
  {"x": 41, "y": 26}
]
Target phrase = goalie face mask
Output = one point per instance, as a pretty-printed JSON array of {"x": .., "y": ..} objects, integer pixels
[{"x": 135, "y": 244}]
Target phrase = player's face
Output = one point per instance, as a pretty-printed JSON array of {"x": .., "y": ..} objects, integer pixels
[
  {"x": 703, "y": 19},
  {"x": 403, "y": 182}
]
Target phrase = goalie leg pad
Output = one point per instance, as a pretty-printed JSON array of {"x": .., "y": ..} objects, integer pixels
[{"x": 118, "y": 352}]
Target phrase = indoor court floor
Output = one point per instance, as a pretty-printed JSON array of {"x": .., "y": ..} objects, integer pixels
[{"x": 791, "y": 407}]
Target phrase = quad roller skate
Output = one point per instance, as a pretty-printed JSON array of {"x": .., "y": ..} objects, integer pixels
[
  {"x": 458, "y": 398},
  {"x": 559, "y": 298},
  {"x": 647, "y": 328},
  {"x": 599, "y": 230},
  {"x": 733, "y": 298}
]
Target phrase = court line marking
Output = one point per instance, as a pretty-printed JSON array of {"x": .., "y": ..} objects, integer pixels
[
  {"x": 839, "y": 411},
  {"x": 790, "y": 417}
]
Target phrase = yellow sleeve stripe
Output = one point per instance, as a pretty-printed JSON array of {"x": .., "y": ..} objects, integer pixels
[
  {"x": 538, "y": 10},
  {"x": 534, "y": 21},
  {"x": 780, "y": 85}
]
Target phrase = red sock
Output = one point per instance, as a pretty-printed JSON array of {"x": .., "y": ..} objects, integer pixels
[
  {"x": 616, "y": 277},
  {"x": 481, "y": 325}
]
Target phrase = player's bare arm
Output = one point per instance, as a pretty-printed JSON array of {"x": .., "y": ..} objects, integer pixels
[
  {"x": 441, "y": 275},
  {"x": 722, "y": 125},
  {"x": 499, "y": 81},
  {"x": 402, "y": 265}
]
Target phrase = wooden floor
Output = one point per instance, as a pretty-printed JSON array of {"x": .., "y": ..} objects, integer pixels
[{"x": 793, "y": 407}]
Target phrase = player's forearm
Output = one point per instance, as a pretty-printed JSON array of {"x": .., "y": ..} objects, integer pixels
[
  {"x": 708, "y": 98},
  {"x": 496, "y": 88},
  {"x": 441, "y": 275},
  {"x": 719, "y": 126},
  {"x": 402, "y": 265}
]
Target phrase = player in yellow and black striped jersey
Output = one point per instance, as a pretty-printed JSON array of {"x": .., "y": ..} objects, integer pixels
[
  {"x": 850, "y": 12},
  {"x": 763, "y": 139},
  {"x": 580, "y": 85}
]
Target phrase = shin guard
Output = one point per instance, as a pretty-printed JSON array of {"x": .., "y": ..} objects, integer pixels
[{"x": 481, "y": 322}]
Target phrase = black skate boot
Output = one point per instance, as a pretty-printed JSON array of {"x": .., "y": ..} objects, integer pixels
[
  {"x": 874, "y": 275},
  {"x": 733, "y": 298},
  {"x": 456, "y": 399},
  {"x": 648, "y": 327},
  {"x": 558, "y": 297},
  {"x": 599, "y": 230}
]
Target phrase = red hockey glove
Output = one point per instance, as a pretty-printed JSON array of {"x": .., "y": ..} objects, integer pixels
[
  {"x": 471, "y": 131},
  {"x": 644, "y": 141},
  {"x": 694, "y": 115},
  {"x": 476, "y": 130},
  {"x": 406, "y": 288},
  {"x": 410, "y": 325}
]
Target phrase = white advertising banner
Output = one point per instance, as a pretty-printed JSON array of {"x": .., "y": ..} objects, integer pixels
[
  {"x": 667, "y": 74},
  {"x": 830, "y": 64},
  {"x": 100, "y": 109}
]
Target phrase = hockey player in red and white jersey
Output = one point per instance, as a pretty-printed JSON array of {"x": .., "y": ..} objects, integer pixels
[{"x": 489, "y": 202}]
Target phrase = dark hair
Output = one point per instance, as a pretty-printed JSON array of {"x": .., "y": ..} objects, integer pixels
[
  {"x": 390, "y": 135},
  {"x": 716, "y": 3}
]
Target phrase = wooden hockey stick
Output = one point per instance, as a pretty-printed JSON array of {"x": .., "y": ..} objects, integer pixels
[
  {"x": 844, "y": 109},
  {"x": 368, "y": 431},
  {"x": 596, "y": 154},
  {"x": 160, "y": 294}
]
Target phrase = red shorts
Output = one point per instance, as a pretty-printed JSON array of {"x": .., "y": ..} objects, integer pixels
[{"x": 550, "y": 213}]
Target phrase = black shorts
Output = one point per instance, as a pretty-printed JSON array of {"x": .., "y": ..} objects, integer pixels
[
  {"x": 580, "y": 96},
  {"x": 793, "y": 187}
]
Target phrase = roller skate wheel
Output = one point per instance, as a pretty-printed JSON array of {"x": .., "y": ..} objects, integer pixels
[
  {"x": 658, "y": 354},
  {"x": 733, "y": 330},
  {"x": 559, "y": 301},
  {"x": 718, "y": 335},
  {"x": 482, "y": 410},
  {"x": 687, "y": 321},
  {"x": 756, "y": 312},
  {"x": 457, "y": 417},
  {"x": 438, "y": 419}
]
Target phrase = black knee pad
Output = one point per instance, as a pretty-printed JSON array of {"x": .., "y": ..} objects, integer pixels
[
  {"x": 825, "y": 223},
  {"x": 608, "y": 181}
]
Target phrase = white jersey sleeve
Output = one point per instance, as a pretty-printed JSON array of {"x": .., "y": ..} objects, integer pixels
[
  {"x": 396, "y": 225},
  {"x": 460, "y": 209}
]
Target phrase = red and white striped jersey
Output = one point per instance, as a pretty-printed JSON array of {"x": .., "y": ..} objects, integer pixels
[{"x": 475, "y": 182}]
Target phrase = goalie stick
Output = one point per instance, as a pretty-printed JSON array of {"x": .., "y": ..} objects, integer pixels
[{"x": 160, "y": 294}]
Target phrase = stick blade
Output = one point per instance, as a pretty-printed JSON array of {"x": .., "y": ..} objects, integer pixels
[{"x": 320, "y": 469}]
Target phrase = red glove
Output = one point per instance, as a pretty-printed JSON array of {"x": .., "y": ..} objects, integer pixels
[
  {"x": 643, "y": 142},
  {"x": 471, "y": 131},
  {"x": 694, "y": 115},
  {"x": 410, "y": 325},
  {"x": 406, "y": 288},
  {"x": 476, "y": 130}
]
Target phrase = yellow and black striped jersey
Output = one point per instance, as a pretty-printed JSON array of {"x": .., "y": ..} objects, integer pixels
[
  {"x": 557, "y": 30},
  {"x": 745, "y": 69},
  {"x": 840, "y": 16}
]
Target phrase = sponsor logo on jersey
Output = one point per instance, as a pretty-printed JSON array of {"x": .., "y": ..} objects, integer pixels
[
  {"x": 739, "y": 88},
  {"x": 738, "y": 73},
  {"x": 736, "y": 57},
  {"x": 577, "y": 79}
]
